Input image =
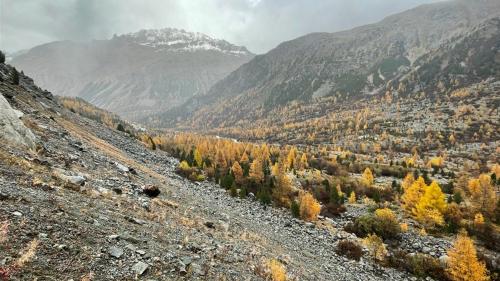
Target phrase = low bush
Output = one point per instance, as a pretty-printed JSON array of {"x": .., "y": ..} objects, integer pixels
[
  {"x": 487, "y": 234},
  {"x": 420, "y": 265},
  {"x": 379, "y": 194},
  {"x": 331, "y": 210},
  {"x": 189, "y": 172},
  {"x": 184, "y": 169},
  {"x": 277, "y": 270},
  {"x": 349, "y": 249},
  {"x": 383, "y": 223},
  {"x": 376, "y": 247}
]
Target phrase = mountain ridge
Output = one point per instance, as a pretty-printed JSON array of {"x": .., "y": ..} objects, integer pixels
[
  {"x": 352, "y": 63},
  {"x": 133, "y": 74}
]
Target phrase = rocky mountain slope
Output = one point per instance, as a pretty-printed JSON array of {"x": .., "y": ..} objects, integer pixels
[
  {"x": 442, "y": 44},
  {"x": 80, "y": 190},
  {"x": 135, "y": 74}
]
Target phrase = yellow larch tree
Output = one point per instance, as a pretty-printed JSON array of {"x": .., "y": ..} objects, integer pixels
[
  {"x": 303, "y": 162},
  {"x": 407, "y": 181},
  {"x": 478, "y": 220},
  {"x": 367, "y": 177},
  {"x": 431, "y": 206},
  {"x": 275, "y": 169},
  {"x": 256, "y": 173},
  {"x": 309, "y": 207},
  {"x": 244, "y": 158},
  {"x": 352, "y": 198},
  {"x": 291, "y": 157},
  {"x": 463, "y": 264},
  {"x": 412, "y": 194},
  {"x": 238, "y": 172},
  {"x": 283, "y": 190},
  {"x": 198, "y": 158},
  {"x": 483, "y": 195}
]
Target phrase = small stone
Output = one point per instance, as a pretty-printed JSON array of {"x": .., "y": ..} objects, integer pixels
[
  {"x": 186, "y": 260},
  {"x": 115, "y": 252},
  {"x": 136, "y": 221},
  {"x": 197, "y": 270},
  {"x": 17, "y": 214},
  {"x": 140, "y": 267},
  {"x": 114, "y": 236},
  {"x": 209, "y": 224},
  {"x": 141, "y": 252},
  {"x": 131, "y": 247},
  {"x": 76, "y": 180},
  {"x": 182, "y": 269},
  {"x": 121, "y": 167},
  {"x": 309, "y": 224}
]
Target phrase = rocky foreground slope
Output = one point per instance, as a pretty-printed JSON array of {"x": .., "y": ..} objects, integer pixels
[
  {"x": 81, "y": 191},
  {"x": 134, "y": 74}
]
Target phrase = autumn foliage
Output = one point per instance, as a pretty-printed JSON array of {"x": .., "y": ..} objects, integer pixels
[
  {"x": 309, "y": 207},
  {"x": 426, "y": 203},
  {"x": 463, "y": 264},
  {"x": 277, "y": 270}
]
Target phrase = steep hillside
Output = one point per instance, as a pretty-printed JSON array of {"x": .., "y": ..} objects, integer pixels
[
  {"x": 135, "y": 74},
  {"x": 418, "y": 49}
]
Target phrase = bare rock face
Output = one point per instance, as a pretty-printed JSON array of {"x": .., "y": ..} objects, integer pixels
[
  {"x": 134, "y": 74},
  {"x": 12, "y": 128}
]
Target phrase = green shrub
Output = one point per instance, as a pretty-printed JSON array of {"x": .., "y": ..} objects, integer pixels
[
  {"x": 383, "y": 226},
  {"x": 120, "y": 127},
  {"x": 420, "y": 265},
  {"x": 243, "y": 192},
  {"x": 295, "y": 209},
  {"x": 264, "y": 196},
  {"x": 233, "y": 191},
  {"x": 227, "y": 181}
]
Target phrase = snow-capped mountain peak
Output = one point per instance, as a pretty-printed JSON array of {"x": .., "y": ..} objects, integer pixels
[{"x": 179, "y": 40}]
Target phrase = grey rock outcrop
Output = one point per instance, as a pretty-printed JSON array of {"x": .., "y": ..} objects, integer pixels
[{"x": 12, "y": 129}]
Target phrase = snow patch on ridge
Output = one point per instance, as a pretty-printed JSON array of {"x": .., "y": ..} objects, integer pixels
[{"x": 178, "y": 40}]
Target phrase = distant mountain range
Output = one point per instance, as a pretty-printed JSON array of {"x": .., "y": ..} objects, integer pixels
[
  {"x": 446, "y": 44},
  {"x": 134, "y": 74}
]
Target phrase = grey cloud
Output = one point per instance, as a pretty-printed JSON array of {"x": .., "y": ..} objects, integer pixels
[{"x": 257, "y": 24}]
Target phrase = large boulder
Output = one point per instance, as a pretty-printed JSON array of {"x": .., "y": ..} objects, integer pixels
[{"x": 12, "y": 129}]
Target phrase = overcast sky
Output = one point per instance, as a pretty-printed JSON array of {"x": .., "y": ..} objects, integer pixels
[{"x": 259, "y": 25}]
